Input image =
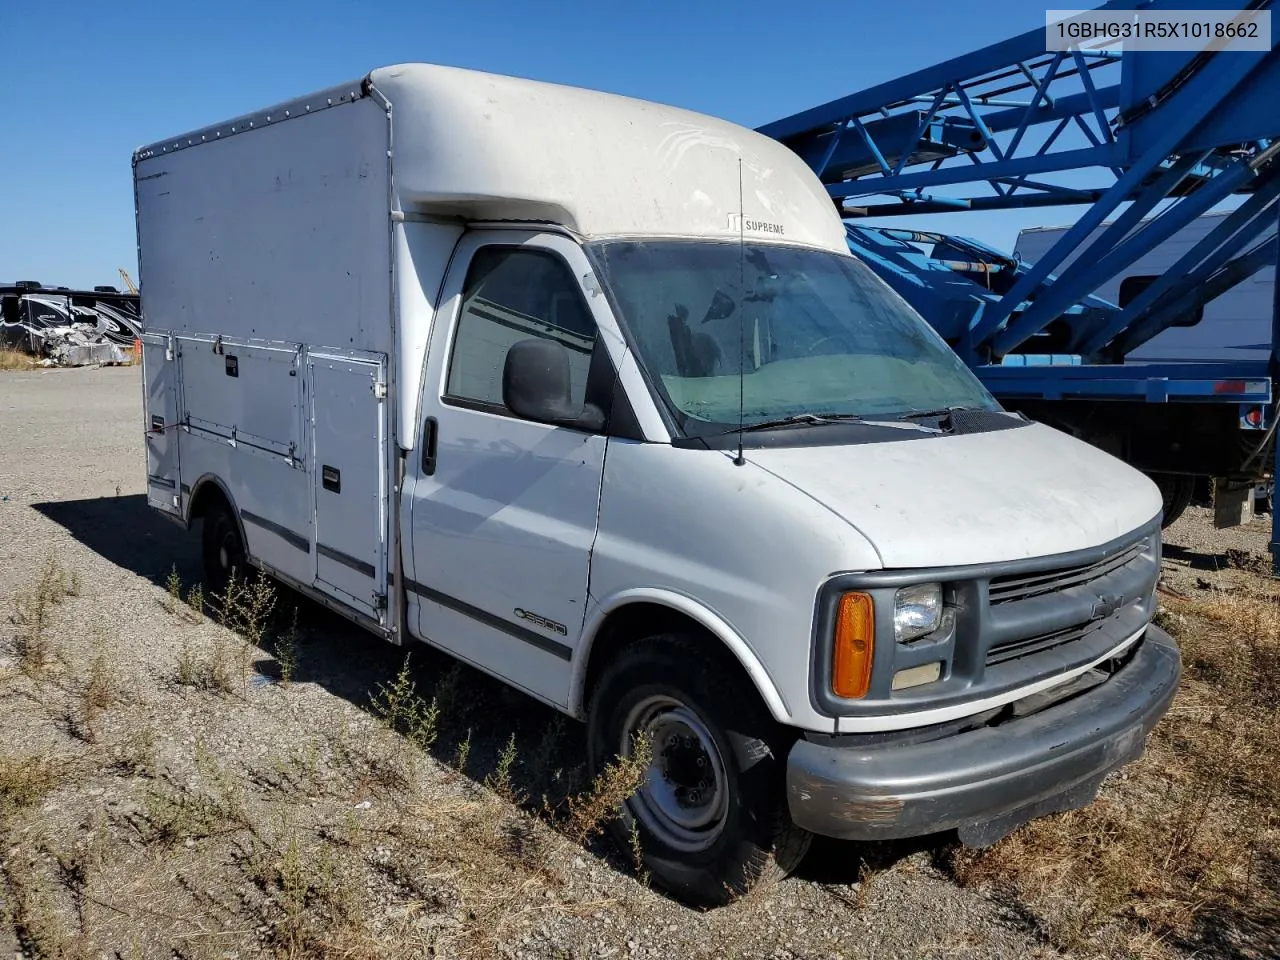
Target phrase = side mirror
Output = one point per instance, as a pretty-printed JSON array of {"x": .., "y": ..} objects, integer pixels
[{"x": 535, "y": 386}]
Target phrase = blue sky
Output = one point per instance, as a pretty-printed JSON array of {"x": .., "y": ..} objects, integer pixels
[{"x": 87, "y": 82}]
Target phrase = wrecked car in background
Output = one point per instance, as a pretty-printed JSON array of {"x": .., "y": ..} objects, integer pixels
[{"x": 63, "y": 327}]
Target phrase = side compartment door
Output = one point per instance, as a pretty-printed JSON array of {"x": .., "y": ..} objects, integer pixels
[
  {"x": 503, "y": 509},
  {"x": 243, "y": 411},
  {"x": 349, "y": 469},
  {"x": 160, "y": 380}
]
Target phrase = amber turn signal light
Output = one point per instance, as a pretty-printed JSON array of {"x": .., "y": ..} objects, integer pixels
[{"x": 854, "y": 645}]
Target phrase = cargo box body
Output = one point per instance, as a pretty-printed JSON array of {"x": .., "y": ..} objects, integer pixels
[{"x": 269, "y": 336}]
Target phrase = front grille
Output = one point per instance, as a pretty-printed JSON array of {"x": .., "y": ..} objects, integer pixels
[
  {"x": 1025, "y": 648},
  {"x": 1007, "y": 589},
  {"x": 1079, "y": 609},
  {"x": 1079, "y": 642}
]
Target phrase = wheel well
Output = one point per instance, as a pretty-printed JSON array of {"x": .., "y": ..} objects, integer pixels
[
  {"x": 207, "y": 493},
  {"x": 635, "y": 621}
]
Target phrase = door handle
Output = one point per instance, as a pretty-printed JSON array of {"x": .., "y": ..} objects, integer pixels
[
  {"x": 429, "y": 430},
  {"x": 331, "y": 478}
]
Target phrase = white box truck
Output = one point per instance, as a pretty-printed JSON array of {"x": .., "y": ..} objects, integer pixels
[{"x": 589, "y": 393}]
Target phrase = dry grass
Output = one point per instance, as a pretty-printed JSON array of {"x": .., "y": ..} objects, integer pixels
[
  {"x": 465, "y": 872},
  {"x": 99, "y": 691},
  {"x": 135, "y": 756},
  {"x": 473, "y": 864},
  {"x": 246, "y": 608},
  {"x": 286, "y": 651},
  {"x": 173, "y": 587},
  {"x": 171, "y": 814},
  {"x": 347, "y": 843},
  {"x": 588, "y": 813},
  {"x": 394, "y": 835},
  {"x": 399, "y": 707},
  {"x": 189, "y": 608},
  {"x": 1183, "y": 849},
  {"x": 314, "y": 896},
  {"x": 210, "y": 666},
  {"x": 25, "y": 780},
  {"x": 224, "y": 663},
  {"x": 33, "y": 612},
  {"x": 11, "y": 359},
  {"x": 29, "y": 907},
  {"x": 431, "y": 866},
  {"x": 464, "y": 869}
]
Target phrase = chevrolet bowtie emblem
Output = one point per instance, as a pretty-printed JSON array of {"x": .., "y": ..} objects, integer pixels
[{"x": 1105, "y": 607}]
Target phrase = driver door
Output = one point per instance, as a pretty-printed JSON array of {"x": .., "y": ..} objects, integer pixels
[{"x": 503, "y": 510}]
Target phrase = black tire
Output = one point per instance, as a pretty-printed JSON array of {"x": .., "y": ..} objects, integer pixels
[
  {"x": 223, "y": 548},
  {"x": 1176, "y": 492},
  {"x": 698, "y": 698}
]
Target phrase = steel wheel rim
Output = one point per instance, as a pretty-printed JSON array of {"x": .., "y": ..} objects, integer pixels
[
  {"x": 683, "y": 800},
  {"x": 228, "y": 548}
]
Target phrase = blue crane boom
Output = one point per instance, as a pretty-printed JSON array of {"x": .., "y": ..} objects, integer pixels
[
  {"x": 1185, "y": 130},
  {"x": 1144, "y": 142}
]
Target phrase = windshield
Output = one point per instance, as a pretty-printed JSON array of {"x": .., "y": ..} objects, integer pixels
[{"x": 810, "y": 332}]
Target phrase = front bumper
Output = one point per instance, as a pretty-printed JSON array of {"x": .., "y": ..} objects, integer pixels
[{"x": 987, "y": 781}]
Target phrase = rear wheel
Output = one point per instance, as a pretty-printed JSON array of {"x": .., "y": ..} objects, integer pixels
[
  {"x": 223, "y": 548},
  {"x": 711, "y": 813},
  {"x": 1176, "y": 492}
]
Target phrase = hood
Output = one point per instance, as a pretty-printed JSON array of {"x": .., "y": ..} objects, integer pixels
[{"x": 972, "y": 498}]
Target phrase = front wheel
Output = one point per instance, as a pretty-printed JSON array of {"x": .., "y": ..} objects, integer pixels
[{"x": 711, "y": 813}]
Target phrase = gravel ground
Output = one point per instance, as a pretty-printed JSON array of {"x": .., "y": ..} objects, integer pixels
[
  {"x": 285, "y": 819},
  {"x": 1199, "y": 557}
]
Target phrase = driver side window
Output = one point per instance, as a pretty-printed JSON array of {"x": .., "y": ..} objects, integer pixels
[{"x": 512, "y": 294}]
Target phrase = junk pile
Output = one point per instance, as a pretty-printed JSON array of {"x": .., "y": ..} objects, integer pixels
[{"x": 61, "y": 327}]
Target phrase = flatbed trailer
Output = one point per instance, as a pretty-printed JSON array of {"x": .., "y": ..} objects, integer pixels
[{"x": 1243, "y": 382}]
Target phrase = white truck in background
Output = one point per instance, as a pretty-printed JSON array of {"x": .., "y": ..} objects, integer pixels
[
  {"x": 589, "y": 393},
  {"x": 1234, "y": 326}
]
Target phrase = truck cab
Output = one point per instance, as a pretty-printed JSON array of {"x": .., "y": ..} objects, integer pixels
[{"x": 590, "y": 393}]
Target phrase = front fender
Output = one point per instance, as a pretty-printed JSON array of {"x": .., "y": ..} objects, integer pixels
[{"x": 709, "y": 619}]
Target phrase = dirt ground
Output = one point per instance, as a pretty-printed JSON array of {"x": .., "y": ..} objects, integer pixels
[{"x": 168, "y": 791}]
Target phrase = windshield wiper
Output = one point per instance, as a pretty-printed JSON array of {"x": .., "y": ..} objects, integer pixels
[
  {"x": 925, "y": 414},
  {"x": 822, "y": 419},
  {"x": 807, "y": 419}
]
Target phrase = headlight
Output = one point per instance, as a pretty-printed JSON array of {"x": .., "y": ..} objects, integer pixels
[{"x": 917, "y": 611}]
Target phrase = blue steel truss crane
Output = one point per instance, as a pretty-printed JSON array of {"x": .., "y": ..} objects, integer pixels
[{"x": 1146, "y": 142}]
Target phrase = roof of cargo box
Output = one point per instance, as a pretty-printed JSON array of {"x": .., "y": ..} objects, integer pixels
[{"x": 490, "y": 147}]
